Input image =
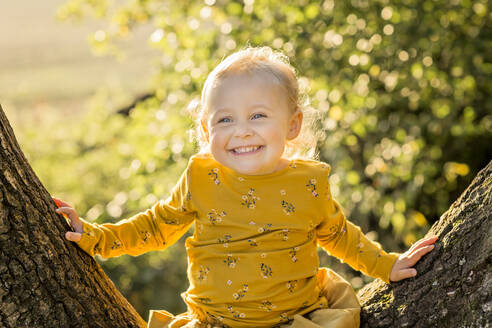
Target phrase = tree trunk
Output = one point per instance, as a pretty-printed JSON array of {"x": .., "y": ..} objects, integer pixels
[
  {"x": 45, "y": 280},
  {"x": 454, "y": 281}
]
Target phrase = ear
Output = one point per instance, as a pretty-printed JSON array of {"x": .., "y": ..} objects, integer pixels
[
  {"x": 295, "y": 124},
  {"x": 204, "y": 130}
]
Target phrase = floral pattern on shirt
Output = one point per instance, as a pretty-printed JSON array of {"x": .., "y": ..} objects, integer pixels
[
  {"x": 246, "y": 239},
  {"x": 236, "y": 314},
  {"x": 284, "y": 317},
  {"x": 145, "y": 236},
  {"x": 288, "y": 208},
  {"x": 215, "y": 216},
  {"x": 284, "y": 234},
  {"x": 224, "y": 241},
  {"x": 293, "y": 254},
  {"x": 266, "y": 271},
  {"x": 214, "y": 175},
  {"x": 360, "y": 245},
  {"x": 249, "y": 200},
  {"x": 97, "y": 249},
  {"x": 311, "y": 186},
  {"x": 116, "y": 244},
  {"x": 171, "y": 221},
  {"x": 231, "y": 261},
  {"x": 266, "y": 228},
  {"x": 291, "y": 285},
  {"x": 267, "y": 305},
  {"x": 252, "y": 242},
  {"x": 202, "y": 274},
  {"x": 241, "y": 292},
  {"x": 311, "y": 231}
]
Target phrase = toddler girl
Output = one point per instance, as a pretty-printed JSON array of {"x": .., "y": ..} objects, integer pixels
[{"x": 259, "y": 214}]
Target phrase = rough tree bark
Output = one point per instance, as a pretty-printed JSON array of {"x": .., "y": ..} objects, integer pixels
[
  {"x": 454, "y": 281},
  {"x": 45, "y": 280}
]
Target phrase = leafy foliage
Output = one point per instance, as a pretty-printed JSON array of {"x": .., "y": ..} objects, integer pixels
[{"x": 403, "y": 88}]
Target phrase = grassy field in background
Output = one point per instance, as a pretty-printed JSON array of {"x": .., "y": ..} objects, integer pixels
[{"x": 47, "y": 68}]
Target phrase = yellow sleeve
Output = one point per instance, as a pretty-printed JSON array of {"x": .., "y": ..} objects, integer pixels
[
  {"x": 154, "y": 229},
  {"x": 344, "y": 240}
]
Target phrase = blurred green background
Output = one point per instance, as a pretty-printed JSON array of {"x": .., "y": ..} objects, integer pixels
[{"x": 403, "y": 88}]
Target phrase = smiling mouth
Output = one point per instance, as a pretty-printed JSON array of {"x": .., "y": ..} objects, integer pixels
[{"x": 246, "y": 150}]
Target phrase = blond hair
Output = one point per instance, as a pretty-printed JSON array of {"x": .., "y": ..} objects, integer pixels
[{"x": 262, "y": 60}]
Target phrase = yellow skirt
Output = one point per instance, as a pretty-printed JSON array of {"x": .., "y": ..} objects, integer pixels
[{"x": 343, "y": 309}]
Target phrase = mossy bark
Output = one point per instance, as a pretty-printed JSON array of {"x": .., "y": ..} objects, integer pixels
[
  {"x": 454, "y": 281},
  {"x": 45, "y": 280}
]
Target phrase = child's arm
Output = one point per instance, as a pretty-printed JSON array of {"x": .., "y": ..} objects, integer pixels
[
  {"x": 344, "y": 240},
  {"x": 155, "y": 229}
]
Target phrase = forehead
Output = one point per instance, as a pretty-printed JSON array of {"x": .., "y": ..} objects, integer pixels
[{"x": 244, "y": 90}]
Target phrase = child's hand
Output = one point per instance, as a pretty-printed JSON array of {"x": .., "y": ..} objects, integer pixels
[
  {"x": 66, "y": 209},
  {"x": 402, "y": 268}
]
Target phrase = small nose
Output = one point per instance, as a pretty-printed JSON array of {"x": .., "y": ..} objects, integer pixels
[{"x": 243, "y": 130}]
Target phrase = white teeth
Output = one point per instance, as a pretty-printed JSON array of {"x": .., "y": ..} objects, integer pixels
[{"x": 245, "y": 149}]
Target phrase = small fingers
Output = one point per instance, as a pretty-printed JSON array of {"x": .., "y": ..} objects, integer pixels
[
  {"x": 60, "y": 203},
  {"x": 423, "y": 242},
  {"x": 416, "y": 255},
  {"x": 67, "y": 210},
  {"x": 73, "y": 236},
  {"x": 72, "y": 214},
  {"x": 407, "y": 273}
]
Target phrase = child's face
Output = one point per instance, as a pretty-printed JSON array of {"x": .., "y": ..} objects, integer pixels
[{"x": 248, "y": 124}]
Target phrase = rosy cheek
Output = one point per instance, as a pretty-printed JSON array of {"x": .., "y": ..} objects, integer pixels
[{"x": 216, "y": 141}]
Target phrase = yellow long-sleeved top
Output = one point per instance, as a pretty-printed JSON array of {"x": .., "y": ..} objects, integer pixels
[{"x": 252, "y": 260}]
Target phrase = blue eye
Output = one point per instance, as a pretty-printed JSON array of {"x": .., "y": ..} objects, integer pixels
[
  {"x": 258, "y": 114},
  {"x": 224, "y": 120}
]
